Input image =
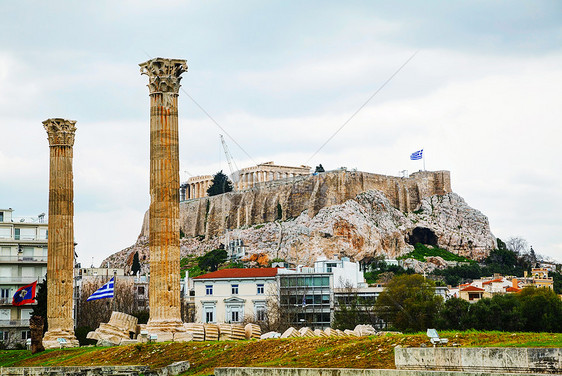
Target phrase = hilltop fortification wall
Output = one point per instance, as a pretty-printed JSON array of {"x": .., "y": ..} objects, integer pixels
[{"x": 288, "y": 198}]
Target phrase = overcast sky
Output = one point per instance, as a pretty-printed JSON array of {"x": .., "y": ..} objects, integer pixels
[{"x": 482, "y": 97}]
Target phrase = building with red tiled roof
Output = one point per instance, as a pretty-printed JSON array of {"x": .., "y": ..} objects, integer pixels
[
  {"x": 471, "y": 294},
  {"x": 240, "y": 273}
]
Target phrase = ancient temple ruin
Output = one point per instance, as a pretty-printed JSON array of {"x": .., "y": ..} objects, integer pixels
[
  {"x": 60, "y": 263},
  {"x": 245, "y": 178},
  {"x": 164, "y": 229}
]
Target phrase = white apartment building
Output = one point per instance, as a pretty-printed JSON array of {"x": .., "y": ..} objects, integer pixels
[
  {"x": 227, "y": 295},
  {"x": 23, "y": 260},
  {"x": 345, "y": 272}
]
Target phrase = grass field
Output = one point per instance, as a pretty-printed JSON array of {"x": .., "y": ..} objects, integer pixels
[{"x": 344, "y": 352}]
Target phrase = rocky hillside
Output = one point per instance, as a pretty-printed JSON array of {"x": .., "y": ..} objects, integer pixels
[{"x": 360, "y": 228}]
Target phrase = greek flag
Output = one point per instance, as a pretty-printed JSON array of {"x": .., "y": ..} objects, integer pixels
[
  {"x": 106, "y": 291},
  {"x": 416, "y": 155}
]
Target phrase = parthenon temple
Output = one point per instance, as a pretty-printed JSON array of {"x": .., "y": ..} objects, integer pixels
[{"x": 246, "y": 178}]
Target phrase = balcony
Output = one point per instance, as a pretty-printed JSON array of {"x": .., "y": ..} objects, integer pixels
[
  {"x": 20, "y": 280},
  {"x": 30, "y": 241},
  {"x": 22, "y": 259},
  {"x": 14, "y": 323}
]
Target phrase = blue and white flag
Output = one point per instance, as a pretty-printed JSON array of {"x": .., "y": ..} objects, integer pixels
[
  {"x": 416, "y": 155},
  {"x": 106, "y": 291}
]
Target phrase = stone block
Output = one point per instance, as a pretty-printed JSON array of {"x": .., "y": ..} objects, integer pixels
[
  {"x": 183, "y": 337},
  {"x": 238, "y": 332},
  {"x": 365, "y": 330},
  {"x": 545, "y": 360},
  {"x": 197, "y": 330},
  {"x": 105, "y": 342},
  {"x": 253, "y": 331},
  {"x": 126, "y": 342},
  {"x": 290, "y": 333},
  {"x": 269, "y": 335},
  {"x": 162, "y": 336},
  {"x": 306, "y": 332},
  {"x": 320, "y": 333}
]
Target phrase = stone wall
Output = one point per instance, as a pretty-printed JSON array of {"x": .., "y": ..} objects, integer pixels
[
  {"x": 342, "y": 372},
  {"x": 169, "y": 370},
  {"x": 477, "y": 359},
  {"x": 288, "y": 198}
]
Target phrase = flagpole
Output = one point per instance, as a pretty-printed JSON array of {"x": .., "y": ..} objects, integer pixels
[
  {"x": 114, "y": 284},
  {"x": 423, "y": 158}
]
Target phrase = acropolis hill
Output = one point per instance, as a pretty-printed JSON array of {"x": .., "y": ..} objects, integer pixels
[{"x": 336, "y": 213}]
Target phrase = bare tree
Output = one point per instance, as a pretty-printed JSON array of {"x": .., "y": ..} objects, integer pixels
[
  {"x": 279, "y": 315},
  {"x": 517, "y": 245},
  {"x": 92, "y": 313}
]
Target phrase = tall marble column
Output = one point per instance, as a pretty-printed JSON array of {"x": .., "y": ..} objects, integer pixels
[
  {"x": 60, "y": 260},
  {"x": 164, "y": 216}
]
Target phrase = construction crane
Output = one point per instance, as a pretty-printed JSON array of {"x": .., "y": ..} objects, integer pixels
[{"x": 229, "y": 159}]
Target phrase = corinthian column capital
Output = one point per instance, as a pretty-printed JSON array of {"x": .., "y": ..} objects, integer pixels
[
  {"x": 163, "y": 74},
  {"x": 60, "y": 132}
]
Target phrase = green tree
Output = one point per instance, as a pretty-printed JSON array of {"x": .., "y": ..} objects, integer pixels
[
  {"x": 541, "y": 310},
  {"x": 453, "y": 314},
  {"x": 220, "y": 184},
  {"x": 136, "y": 266},
  {"x": 41, "y": 298},
  {"x": 210, "y": 261},
  {"x": 409, "y": 303},
  {"x": 501, "y": 312}
]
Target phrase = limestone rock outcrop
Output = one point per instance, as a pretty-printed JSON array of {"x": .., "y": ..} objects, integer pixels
[{"x": 365, "y": 225}]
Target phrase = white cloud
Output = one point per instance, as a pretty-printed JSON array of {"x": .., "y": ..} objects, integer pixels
[{"x": 281, "y": 82}]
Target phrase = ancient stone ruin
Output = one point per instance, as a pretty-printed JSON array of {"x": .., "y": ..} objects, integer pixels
[
  {"x": 164, "y": 242},
  {"x": 60, "y": 263},
  {"x": 120, "y": 328}
]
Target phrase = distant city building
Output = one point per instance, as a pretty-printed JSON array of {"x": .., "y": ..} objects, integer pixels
[
  {"x": 306, "y": 298},
  {"x": 230, "y": 295},
  {"x": 23, "y": 260},
  {"x": 488, "y": 287},
  {"x": 245, "y": 178},
  {"x": 345, "y": 272}
]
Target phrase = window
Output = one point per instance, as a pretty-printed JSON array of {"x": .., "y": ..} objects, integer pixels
[
  {"x": 330, "y": 266},
  {"x": 17, "y": 234},
  {"x": 4, "y": 336},
  {"x": 260, "y": 289},
  {"x": 28, "y": 233},
  {"x": 1, "y": 216},
  {"x": 209, "y": 290},
  {"x": 25, "y": 334},
  {"x": 4, "y": 293},
  {"x": 259, "y": 311},
  {"x": 234, "y": 289},
  {"x": 235, "y": 316},
  {"x": 473, "y": 296},
  {"x": 209, "y": 313},
  {"x": 140, "y": 290}
]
